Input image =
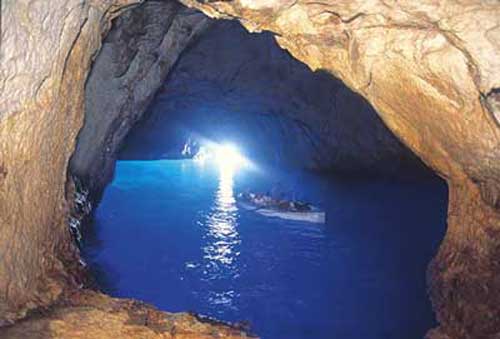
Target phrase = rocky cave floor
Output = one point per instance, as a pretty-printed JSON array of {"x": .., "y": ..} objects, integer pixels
[{"x": 90, "y": 314}]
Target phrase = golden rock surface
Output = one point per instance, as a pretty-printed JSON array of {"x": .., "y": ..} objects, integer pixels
[{"x": 90, "y": 314}]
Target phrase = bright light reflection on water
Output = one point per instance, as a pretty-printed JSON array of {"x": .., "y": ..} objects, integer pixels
[{"x": 222, "y": 237}]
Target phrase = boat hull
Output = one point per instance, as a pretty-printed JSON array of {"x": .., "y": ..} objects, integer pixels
[{"x": 315, "y": 216}]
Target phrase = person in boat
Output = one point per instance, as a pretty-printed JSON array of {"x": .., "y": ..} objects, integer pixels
[
  {"x": 258, "y": 198},
  {"x": 301, "y": 206},
  {"x": 277, "y": 193},
  {"x": 265, "y": 200}
]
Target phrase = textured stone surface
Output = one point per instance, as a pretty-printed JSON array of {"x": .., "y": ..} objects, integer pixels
[
  {"x": 45, "y": 54},
  {"x": 464, "y": 277},
  {"x": 232, "y": 85},
  {"x": 141, "y": 48},
  {"x": 93, "y": 315}
]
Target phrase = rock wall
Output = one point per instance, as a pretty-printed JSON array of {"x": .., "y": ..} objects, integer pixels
[
  {"x": 137, "y": 54},
  {"x": 241, "y": 87},
  {"x": 45, "y": 55}
]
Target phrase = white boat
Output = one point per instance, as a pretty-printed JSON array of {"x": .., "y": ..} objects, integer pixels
[{"x": 314, "y": 215}]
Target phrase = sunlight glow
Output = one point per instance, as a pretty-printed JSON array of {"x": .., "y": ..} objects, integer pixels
[{"x": 228, "y": 156}]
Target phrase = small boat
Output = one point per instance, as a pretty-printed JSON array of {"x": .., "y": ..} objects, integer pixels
[{"x": 283, "y": 209}]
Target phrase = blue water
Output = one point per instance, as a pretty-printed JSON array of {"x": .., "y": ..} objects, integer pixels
[{"x": 169, "y": 233}]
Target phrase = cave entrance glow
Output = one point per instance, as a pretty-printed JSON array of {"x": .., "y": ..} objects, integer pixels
[{"x": 170, "y": 231}]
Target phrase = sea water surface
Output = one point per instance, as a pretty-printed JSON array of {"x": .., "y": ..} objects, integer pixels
[{"x": 170, "y": 233}]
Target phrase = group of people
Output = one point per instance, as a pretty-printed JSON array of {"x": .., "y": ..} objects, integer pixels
[{"x": 266, "y": 200}]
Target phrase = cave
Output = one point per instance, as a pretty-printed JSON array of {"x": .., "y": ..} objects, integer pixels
[
  {"x": 383, "y": 116},
  {"x": 176, "y": 220}
]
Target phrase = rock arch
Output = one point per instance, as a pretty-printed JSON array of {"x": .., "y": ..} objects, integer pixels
[{"x": 430, "y": 69}]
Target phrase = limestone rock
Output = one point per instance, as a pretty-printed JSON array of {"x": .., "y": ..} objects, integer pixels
[
  {"x": 89, "y": 314},
  {"x": 45, "y": 53}
]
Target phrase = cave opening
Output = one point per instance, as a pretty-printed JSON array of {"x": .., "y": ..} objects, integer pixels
[{"x": 169, "y": 230}]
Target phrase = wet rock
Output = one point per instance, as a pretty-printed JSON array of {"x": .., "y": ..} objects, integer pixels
[
  {"x": 493, "y": 101},
  {"x": 90, "y": 314}
]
